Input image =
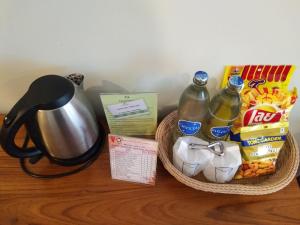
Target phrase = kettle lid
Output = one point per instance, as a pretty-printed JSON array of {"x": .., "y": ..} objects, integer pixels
[{"x": 51, "y": 91}]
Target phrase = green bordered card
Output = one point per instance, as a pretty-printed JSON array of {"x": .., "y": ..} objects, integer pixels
[{"x": 131, "y": 114}]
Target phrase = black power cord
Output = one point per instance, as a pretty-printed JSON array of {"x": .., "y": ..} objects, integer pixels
[{"x": 58, "y": 175}]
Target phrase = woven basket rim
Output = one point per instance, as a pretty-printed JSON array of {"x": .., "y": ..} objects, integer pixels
[{"x": 227, "y": 188}]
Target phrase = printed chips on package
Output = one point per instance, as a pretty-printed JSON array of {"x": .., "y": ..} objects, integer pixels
[{"x": 265, "y": 97}]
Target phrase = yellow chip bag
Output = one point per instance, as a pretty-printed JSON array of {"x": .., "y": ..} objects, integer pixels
[
  {"x": 260, "y": 148},
  {"x": 262, "y": 123},
  {"x": 265, "y": 96}
]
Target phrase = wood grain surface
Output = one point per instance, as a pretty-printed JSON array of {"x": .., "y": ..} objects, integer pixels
[{"x": 92, "y": 197}]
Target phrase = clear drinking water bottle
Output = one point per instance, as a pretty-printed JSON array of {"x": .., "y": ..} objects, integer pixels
[
  {"x": 192, "y": 108},
  {"x": 223, "y": 110}
]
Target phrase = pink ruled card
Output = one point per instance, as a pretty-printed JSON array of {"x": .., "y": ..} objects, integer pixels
[{"x": 133, "y": 159}]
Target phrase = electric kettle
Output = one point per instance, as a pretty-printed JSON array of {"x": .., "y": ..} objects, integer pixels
[{"x": 59, "y": 120}]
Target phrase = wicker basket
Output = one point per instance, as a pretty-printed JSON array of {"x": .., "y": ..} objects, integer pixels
[{"x": 286, "y": 167}]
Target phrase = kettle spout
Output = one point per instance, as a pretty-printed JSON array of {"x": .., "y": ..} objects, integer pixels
[{"x": 76, "y": 78}]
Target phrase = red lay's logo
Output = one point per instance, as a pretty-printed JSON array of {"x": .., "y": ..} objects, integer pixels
[{"x": 261, "y": 116}]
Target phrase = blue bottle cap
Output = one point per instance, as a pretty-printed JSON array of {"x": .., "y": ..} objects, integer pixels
[
  {"x": 200, "y": 78},
  {"x": 236, "y": 82}
]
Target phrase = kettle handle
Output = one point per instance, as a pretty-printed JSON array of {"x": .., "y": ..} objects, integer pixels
[{"x": 12, "y": 122}]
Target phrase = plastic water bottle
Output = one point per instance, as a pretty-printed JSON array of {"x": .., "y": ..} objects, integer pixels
[
  {"x": 223, "y": 110},
  {"x": 192, "y": 108}
]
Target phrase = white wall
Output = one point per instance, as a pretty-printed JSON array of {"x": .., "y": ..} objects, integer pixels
[{"x": 136, "y": 45}]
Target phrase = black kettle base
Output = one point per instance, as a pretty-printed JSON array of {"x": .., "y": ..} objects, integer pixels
[
  {"x": 94, "y": 150},
  {"x": 84, "y": 160}
]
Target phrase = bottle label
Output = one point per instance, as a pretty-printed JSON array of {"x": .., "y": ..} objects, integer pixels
[
  {"x": 220, "y": 132},
  {"x": 189, "y": 127}
]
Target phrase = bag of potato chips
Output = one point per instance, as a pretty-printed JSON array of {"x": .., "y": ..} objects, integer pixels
[
  {"x": 262, "y": 123},
  {"x": 265, "y": 97},
  {"x": 260, "y": 148}
]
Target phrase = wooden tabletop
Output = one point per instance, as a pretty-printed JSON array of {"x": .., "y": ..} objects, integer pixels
[{"x": 92, "y": 197}]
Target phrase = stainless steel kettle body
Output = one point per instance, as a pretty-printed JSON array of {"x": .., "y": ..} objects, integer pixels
[
  {"x": 59, "y": 119},
  {"x": 70, "y": 130}
]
